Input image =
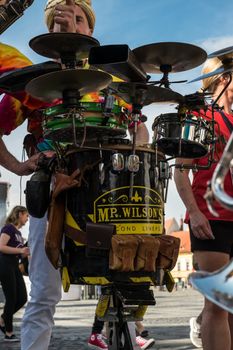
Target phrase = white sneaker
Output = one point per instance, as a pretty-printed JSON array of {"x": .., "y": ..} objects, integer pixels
[{"x": 195, "y": 332}]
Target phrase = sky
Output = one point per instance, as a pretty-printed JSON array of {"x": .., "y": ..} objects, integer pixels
[{"x": 205, "y": 23}]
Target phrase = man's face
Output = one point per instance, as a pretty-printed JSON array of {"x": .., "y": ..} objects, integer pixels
[
  {"x": 77, "y": 22},
  {"x": 82, "y": 26}
]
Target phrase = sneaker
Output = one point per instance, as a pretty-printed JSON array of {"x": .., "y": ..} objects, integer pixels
[
  {"x": 144, "y": 343},
  {"x": 96, "y": 341},
  {"x": 11, "y": 338},
  {"x": 195, "y": 332}
]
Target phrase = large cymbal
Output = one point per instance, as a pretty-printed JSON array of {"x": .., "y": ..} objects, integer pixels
[
  {"x": 52, "y": 86},
  {"x": 225, "y": 55},
  {"x": 169, "y": 57},
  {"x": 18, "y": 79},
  {"x": 63, "y": 45},
  {"x": 145, "y": 94},
  {"x": 220, "y": 70}
]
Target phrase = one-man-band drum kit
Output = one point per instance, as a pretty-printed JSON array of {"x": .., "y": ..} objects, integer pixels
[{"x": 109, "y": 190}]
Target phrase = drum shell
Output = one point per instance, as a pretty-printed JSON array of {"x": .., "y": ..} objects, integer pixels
[
  {"x": 104, "y": 196},
  {"x": 89, "y": 122},
  {"x": 187, "y": 138}
]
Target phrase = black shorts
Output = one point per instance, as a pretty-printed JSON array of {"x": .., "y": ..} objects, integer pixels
[{"x": 223, "y": 242}]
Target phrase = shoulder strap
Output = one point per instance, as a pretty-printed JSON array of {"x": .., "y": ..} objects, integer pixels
[{"x": 227, "y": 121}]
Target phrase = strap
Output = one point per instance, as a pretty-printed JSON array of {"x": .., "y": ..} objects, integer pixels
[
  {"x": 227, "y": 122},
  {"x": 75, "y": 234}
]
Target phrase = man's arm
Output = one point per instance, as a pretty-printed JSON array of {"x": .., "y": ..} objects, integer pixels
[
  {"x": 142, "y": 134},
  {"x": 8, "y": 161}
]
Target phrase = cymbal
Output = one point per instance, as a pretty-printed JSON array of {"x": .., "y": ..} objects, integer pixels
[
  {"x": 63, "y": 45},
  {"x": 144, "y": 94},
  {"x": 220, "y": 70},
  {"x": 225, "y": 55},
  {"x": 169, "y": 57},
  {"x": 16, "y": 80},
  {"x": 51, "y": 86}
]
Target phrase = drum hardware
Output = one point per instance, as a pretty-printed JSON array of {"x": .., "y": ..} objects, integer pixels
[
  {"x": 118, "y": 60},
  {"x": 217, "y": 286},
  {"x": 71, "y": 48},
  {"x": 165, "y": 174},
  {"x": 101, "y": 166},
  {"x": 125, "y": 302},
  {"x": 133, "y": 163},
  {"x": 118, "y": 162},
  {"x": 136, "y": 114}
]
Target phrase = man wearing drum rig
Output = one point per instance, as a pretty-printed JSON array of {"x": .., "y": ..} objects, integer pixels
[
  {"x": 73, "y": 16},
  {"x": 211, "y": 237}
]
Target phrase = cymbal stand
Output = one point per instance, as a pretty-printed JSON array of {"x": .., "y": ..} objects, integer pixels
[
  {"x": 134, "y": 165},
  {"x": 71, "y": 99},
  {"x": 165, "y": 69}
]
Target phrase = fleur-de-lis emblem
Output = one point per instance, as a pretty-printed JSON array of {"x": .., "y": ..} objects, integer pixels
[{"x": 136, "y": 198}]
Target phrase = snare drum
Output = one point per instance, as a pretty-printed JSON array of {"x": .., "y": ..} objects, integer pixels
[
  {"x": 89, "y": 122},
  {"x": 188, "y": 138}
]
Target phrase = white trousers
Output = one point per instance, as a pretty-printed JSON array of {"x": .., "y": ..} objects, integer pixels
[{"x": 45, "y": 291}]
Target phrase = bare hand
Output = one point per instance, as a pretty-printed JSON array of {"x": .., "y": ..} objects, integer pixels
[
  {"x": 31, "y": 165},
  {"x": 200, "y": 226},
  {"x": 65, "y": 17},
  {"x": 25, "y": 251}
]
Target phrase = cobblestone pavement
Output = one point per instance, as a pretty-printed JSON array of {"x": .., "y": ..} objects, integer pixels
[{"x": 167, "y": 322}]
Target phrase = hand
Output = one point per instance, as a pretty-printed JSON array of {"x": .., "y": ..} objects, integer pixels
[
  {"x": 65, "y": 17},
  {"x": 25, "y": 251},
  {"x": 200, "y": 226},
  {"x": 31, "y": 165}
]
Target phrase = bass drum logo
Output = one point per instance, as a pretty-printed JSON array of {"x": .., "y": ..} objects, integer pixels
[{"x": 143, "y": 213}]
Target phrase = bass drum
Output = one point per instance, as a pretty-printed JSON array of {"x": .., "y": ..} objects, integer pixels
[{"x": 106, "y": 197}]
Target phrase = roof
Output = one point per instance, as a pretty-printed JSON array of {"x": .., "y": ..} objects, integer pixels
[
  {"x": 171, "y": 225},
  {"x": 185, "y": 245}
]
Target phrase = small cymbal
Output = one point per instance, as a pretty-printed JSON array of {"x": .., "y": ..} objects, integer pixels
[
  {"x": 18, "y": 79},
  {"x": 169, "y": 57},
  {"x": 51, "y": 86},
  {"x": 220, "y": 70},
  {"x": 144, "y": 94},
  {"x": 63, "y": 45},
  {"x": 223, "y": 54}
]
